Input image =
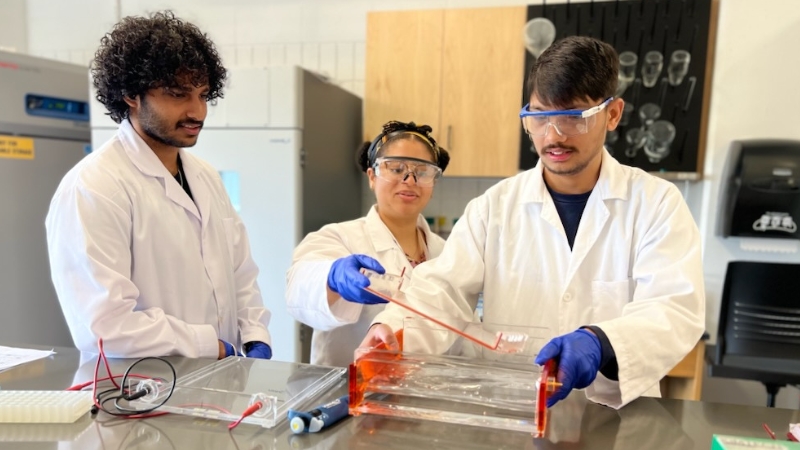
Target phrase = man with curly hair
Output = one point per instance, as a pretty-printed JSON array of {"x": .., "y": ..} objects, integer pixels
[{"x": 146, "y": 250}]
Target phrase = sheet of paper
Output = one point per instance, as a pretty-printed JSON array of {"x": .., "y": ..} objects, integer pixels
[{"x": 10, "y": 356}]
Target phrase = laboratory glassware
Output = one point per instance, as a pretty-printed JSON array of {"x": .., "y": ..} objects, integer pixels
[
  {"x": 538, "y": 34},
  {"x": 659, "y": 138},
  {"x": 651, "y": 68},
  {"x": 678, "y": 66}
]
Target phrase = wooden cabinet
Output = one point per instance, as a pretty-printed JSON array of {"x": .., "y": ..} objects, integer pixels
[
  {"x": 460, "y": 71},
  {"x": 404, "y": 69},
  {"x": 685, "y": 381}
]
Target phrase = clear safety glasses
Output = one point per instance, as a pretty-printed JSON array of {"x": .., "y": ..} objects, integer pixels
[
  {"x": 569, "y": 122},
  {"x": 396, "y": 170}
]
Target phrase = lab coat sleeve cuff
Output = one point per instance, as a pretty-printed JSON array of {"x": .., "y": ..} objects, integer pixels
[
  {"x": 605, "y": 392},
  {"x": 345, "y": 312},
  {"x": 256, "y": 334},
  {"x": 307, "y": 298},
  {"x": 207, "y": 341},
  {"x": 392, "y": 315}
]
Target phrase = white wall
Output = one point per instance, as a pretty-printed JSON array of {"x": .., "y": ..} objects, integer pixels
[
  {"x": 754, "y": 90},
  {"x": 13, "y": 26},
  {"x": 68, "y": 31}
]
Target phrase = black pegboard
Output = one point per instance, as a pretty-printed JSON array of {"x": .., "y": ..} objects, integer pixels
[{"x": 640, "y": 26}]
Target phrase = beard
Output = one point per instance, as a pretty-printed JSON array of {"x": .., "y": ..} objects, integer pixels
[
  {"x": 158, "y": 128},
  {"x": 575, "y": 167}
]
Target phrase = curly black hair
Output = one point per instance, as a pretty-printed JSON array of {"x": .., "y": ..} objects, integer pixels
[
  {"x": 394, "y": 130},
  {"x": 145, "y": 53}
]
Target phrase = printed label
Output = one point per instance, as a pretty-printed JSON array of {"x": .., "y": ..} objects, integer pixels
[{"x": 16, "y": 147}]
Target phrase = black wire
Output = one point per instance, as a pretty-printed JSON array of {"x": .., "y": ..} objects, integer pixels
[{"x": 122, "y": 392}]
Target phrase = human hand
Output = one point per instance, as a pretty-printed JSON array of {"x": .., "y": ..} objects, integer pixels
[
  {"x": 345, "y": 278},
  {"x": 226, "y": 349},
  {"x": 259, "y": 350},
  {"x": 578, "y": 354},
  {"x": 378, "y": 334}
]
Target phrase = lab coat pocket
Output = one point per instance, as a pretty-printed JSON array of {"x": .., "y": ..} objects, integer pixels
[{"x": 608, "y": 299}]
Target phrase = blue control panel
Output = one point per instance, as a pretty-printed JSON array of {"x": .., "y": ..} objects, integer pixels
[{"x": 56, "y": 108}]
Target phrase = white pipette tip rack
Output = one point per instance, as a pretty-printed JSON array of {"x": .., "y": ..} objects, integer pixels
[{"x": 43, "y": 406}]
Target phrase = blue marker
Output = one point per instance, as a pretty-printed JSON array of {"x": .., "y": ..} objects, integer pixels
[{"x": 319, "y": 418}]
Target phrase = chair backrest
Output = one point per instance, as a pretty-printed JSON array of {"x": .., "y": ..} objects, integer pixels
[{"x": 760, "y": 311}]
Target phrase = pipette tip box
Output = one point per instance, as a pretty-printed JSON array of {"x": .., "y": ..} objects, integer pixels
[
  {"x": 723, "y": 442},
  {"x": 43, "y": 406}
]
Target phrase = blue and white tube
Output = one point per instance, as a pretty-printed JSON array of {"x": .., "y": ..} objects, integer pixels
[{"x": 319, "y": 418}]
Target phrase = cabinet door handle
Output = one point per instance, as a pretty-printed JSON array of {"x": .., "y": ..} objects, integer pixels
[{"x": 449, "y": 136}]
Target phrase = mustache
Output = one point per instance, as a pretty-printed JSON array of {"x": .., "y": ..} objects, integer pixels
[
  {"x": 565, "y": 147},
  {"x": 189, "y": 122}
]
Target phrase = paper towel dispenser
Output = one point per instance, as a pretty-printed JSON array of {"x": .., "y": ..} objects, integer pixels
[{"x": 760, "y": 195}]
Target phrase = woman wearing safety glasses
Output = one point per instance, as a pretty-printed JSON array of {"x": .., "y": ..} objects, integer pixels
[{"x": 324, "y": 284}]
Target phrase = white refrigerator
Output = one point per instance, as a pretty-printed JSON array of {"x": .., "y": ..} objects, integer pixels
[{"x": 284, "y": 141}]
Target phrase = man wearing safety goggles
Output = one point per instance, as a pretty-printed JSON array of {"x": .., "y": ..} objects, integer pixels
[
  {"x": 603, "y": 256},
  {"x": 572, "y": 128}
]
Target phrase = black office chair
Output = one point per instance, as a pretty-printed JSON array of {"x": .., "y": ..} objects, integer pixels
[{"x": 759, "y": 325}]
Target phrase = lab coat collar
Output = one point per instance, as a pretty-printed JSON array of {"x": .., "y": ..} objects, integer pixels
[
  {"x": 148, "y": 163},
  {"x": 380, "y": 235},
  {"x": 611, "y": 184},
  {"x": 192, "y": 168}
]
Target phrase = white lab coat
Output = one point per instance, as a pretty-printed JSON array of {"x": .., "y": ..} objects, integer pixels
[
  {"x": 136, "y": 262},
  {"x": 340, "y": 328},
  {"x": 635, "y": 271}
]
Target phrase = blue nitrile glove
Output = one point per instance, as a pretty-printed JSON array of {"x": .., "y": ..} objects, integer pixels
[
  {"x": 229, "y": 350},
  {"x": 258, "y": 350},
  {"x": 346, "y": 279},
  {"x": 578, "y": 355}
]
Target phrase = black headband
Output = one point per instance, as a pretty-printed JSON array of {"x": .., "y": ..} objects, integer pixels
[{"x": 396, "y": 128}]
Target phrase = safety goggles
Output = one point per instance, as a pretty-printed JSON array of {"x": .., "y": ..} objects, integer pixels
[
  {"x": 395, "y": 170},
  {"x": 568, "y": 122}
]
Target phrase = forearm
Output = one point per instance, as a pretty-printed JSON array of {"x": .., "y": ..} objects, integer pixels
[{"x": 331, "y": 296}]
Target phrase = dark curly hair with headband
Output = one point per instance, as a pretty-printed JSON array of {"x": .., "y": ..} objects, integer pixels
[
  {"x": 395, "y": 131},
  {"x": 160, "y": 51}
]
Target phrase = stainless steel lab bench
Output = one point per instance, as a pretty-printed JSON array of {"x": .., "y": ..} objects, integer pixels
[{"x": 646, "y": 423}]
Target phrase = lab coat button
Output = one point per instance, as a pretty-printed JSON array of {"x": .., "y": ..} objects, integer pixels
[{"x": 567, "y": 297}]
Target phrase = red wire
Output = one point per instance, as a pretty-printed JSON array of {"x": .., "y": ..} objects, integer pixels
[
  {"x": 81, "y": 386},
  {"x": 95, "y": 380},
  {"x": 247, "y": 412},
  {"x": 96, "y": 370},
  {"x": 768, "y": 430},
  {"x": 105, "y": 360}
]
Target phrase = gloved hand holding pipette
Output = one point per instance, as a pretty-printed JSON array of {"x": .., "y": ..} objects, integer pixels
[
  {"x": 345, "y": 278},
  {"x": 579, "y": 355}
]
